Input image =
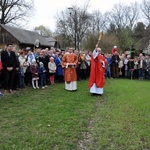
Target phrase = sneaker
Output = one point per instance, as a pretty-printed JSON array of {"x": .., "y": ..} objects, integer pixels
[
  {"x": 34, "y": 87},
  {"x": 37, "y": 87},
  {"x": 43, "y": 87},
  {"x": 46, "y": 86}
]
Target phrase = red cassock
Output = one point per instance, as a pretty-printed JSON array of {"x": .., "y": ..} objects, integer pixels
[{"x": 97, "y": 73}]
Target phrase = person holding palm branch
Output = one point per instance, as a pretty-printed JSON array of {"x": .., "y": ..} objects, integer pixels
[{"x": 97, "y": 74}]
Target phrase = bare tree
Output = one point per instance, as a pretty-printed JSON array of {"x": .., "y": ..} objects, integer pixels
[
  {"x": 117, "y": 16},
  {"x": 97, "y": 22},
  {"x": 122, "y": 19},
  {"x": 122, "y": 16},
  {"x": 131, "y": 14},
  {"x": 73, "y": 23},
  {"x": 62, "y": 31},
  {"x": 145, "y": 8},
  {"x": 78, "y": 26},
  {"x": 15, "y": 11}
]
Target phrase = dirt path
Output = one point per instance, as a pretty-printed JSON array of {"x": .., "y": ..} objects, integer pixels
[{"x": 87, "y": 143}]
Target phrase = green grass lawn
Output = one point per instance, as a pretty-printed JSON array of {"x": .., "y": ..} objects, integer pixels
[{"x": 55, "y": 119}]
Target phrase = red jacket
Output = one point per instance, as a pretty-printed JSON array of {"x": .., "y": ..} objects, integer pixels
[{"x": 113, "y": 50}]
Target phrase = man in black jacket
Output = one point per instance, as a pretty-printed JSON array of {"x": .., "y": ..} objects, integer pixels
[
  {"x": 8, "y": 58},
  {"x": 115, "y": 61}
]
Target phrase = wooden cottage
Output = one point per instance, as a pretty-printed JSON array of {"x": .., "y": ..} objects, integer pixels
[
  {"x": 23, "y": 38},
  {"x": 54, "y": 42}
]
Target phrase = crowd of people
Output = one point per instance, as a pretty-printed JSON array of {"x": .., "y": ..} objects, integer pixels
[
  {"x": 132, "y": 65},
  {"x": 40, "y": 68}
]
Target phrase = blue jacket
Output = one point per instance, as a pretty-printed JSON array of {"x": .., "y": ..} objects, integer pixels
[
  {"x": 42, "y": 74},
  {"x": 59, "y": 70}
]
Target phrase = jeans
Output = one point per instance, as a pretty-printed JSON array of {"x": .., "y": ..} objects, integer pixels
[
  {"x": 148, "y": 74},
  {"x": 42, "y": 81},
  {"x": 126, "y": 73},
  {"x": 108, "y": 72},
  {"x": 21, "y": 81},
  {"x": 141, "y": 73}
]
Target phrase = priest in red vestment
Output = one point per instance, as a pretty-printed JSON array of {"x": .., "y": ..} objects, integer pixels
[
  {"x": 97, "y": 73},
  {"x": 69, "y": 64}
]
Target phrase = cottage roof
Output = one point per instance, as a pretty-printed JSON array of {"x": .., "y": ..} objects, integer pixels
[
  {"x": 26, "y": 36},
  {"x": 51, "y": 40}
]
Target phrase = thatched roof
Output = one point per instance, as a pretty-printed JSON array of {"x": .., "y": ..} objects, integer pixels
[
  {"x": 51, "y": 40},
  {"x": 26, "y": 36}
]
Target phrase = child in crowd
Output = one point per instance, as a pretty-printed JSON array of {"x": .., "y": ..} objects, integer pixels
[
  {"x": 34, "y": 71},
  {"x": 108, "y": 69},
  {"x": 52, "y": 70},
  {"x": 42, "y": 75}
]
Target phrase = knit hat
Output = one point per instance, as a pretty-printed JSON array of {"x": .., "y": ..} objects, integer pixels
[
  {"x": 51, "y": 58},
  {"x": 41, "y": 64}
]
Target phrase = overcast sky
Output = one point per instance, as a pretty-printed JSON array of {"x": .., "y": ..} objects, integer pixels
[{"x": 46, "y": 10}]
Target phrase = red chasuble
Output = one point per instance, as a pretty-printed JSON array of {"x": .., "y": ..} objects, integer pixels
[{"x": 97, "y": 73}]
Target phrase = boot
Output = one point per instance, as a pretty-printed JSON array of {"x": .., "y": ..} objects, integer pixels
[
  {"x": 33, "y": 84},
  {"x": 37, "y": 84}
]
